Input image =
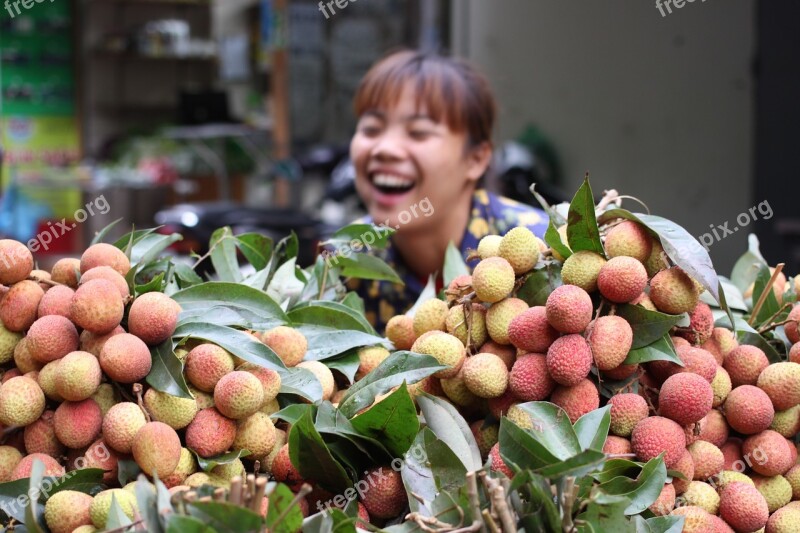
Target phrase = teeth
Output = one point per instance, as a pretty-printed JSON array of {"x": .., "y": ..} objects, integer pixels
[{"x": 390, "y": 180}]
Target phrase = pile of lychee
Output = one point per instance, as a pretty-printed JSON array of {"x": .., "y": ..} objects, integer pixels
[
  {"x": 725, "y": 420},
  {"x": 75, "y": 348}
]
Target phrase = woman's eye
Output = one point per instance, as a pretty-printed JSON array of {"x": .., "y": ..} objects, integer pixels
[
  {"x": 419, "y": 134},
  {"x": 370, "y": 130}
]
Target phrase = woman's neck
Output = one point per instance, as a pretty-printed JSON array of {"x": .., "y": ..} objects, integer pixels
[{"x": 423, "y": 250}]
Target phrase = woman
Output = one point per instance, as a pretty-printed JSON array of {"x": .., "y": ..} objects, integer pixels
[{"x": 422, "y": 144}]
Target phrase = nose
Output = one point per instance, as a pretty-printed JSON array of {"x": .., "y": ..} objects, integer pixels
[{"x": 388, "y": 147}]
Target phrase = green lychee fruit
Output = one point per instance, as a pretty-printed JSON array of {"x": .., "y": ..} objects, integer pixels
[
  {"x": 125, "y": 358},
  {"x": 784, "y": 520},
  {"x": 776, "y": 490},
  {"x": 493, "y": 279},
  {"x": 489, "y": 246},
  {"x": 520, "y": 247},
  {"x": 622, "y": 279},
  {"x": 174, "y": 411},
  {"x": 8, "y": 343},
  {"x": 153, "y": 317},
  {"x": 47, "y": 380},
  {"x": 569, "y": 309},
  {"x": 156, "y": 449},
  {"x": 702, "y": 495},
  {"x": 78, "y": 376},
  {"x": 447, "y": 349},
  {"x": 781, "y": 382},
  {"x": 288, "y": 343},
  {"x": 121, "y": 424},
  {"x": 459, "y": 326},
  {"x": 627, "y": 410},
  {"x": 66, "y": 510},
  {"x": 228, "y": 471},
  {"x": 673, "y": 291},
  {"x": 9, "y": 459},
  {"x": 186, "y": 467},
  {"x": 499, "y": 317},
  {"x": 485, "y": 375},
  {"x": 431, "y": 315},
  {"x": 106, "y": 396},
  {"x": 210, "y": 433},
  {"x": 97, "y": 306},
  {"x": 52, "y": 337},
  {"x": 582, "y": 269},
  {"x": 105, "y": 255},
  {"x": 629, "y": 239},
  {"x": 696, "y": 519},
  {"x": 721, "y": 385},
  {"x": 21, "y": 401},
  {"x": 256, "y": 433},
  {"x": 101, "y": 505}
]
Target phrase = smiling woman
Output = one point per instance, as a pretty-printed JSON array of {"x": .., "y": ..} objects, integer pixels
[{"x": 424, "y": 133}]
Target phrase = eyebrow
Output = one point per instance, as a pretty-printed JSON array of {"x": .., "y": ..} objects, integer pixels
[{"x": 408, "y": 118}]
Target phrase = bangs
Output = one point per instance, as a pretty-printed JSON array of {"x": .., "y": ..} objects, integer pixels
[{"x": 449, "y": 91}]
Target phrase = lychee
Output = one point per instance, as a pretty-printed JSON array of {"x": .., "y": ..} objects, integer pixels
[
  {"x": 446, "y": 348},
  {"x": 109, "y": 274},
  {"x": 321, "y": 372},
  {"x": 210, "y": 433},
  {"x": 485, "y": 375},
  {"x": 77, "y": 376},
  {"x": 386, "y": 496},
  {"x": 768, "y": 453},
  {"x": 431, "y": 315},
  {"x": 776, "y": 490},
  {"x": 685, "y": 398},
  {"x": 744, "y": 364},
  {"x": 19, "y": 307},
  {"x": 493, "y": 279},
  {"x": 781, "y": 382},
  {"x": 174, "y": 411},
  {"x": 97, "y": 306},
  {"x": 617, "y": 446},
  {"x": 665, "y": 501},
  {"x": 52, "y": 337},
  {"x": 17, "y": 262},
  {"x": 153, "y": 317},
  {"x": 655, "y": 435},
  {"x": 489, "y": 246},
  {"x": 520, "y": 247},
  {"x": 369, "y": 357},
  {"x": 628, "y": 239},
  {"x": 121, "y": 424},
  {"x": 673, "y": 291},
  {"x": 10, "y": 457},
  {"x": 627, "y": 410},
  {"x": 23, "y": 469},
  {"x": 529, "y": 380},
  {"x": 610, "y": 338},
  {"x": 707, "y": 458},
  {"x": 470, "y": 330},
  {"x": 569, "y": 309},
  {"x": 256, "y": 433},
  {"x": 92, "y": 343},
  {"x": 582, "y": 269},
  {"x": 702, "y": 495},
  {"x": 103, "y": 254},
  {"x": 125, "y": 358},
  {"x": 577, "y": 400},
  {"x": 206, "y": 364},
  {"x": 21, "y": 401},
  {"x": 743, "y": 507},
  {"x": 701, "y": 324},
  {"x": 239, "y": 394},
  {"x": 56, "y": 301},
  {"x": 791, "y": 326},
  {"x": 748, "y": 410},
  {"x": 622, "y": 279},
  {"x": 66, "y": 272},
  {"x": 530, "y": 331},
  {"x": 569, "y": 360},
  {"x": 101, "y": 505},
  {"x": 77, "y": 424},
  {"x": 288, "y": 343},
  {"x": 156, "y": 449},
  {"x": 400, "y": 331},
  {"x": 10, "y": 343},
  {"x": 186, "y": 467},
  {"x": 40, "y": 437},
  {"x": 499, "y": 317},
  {"x": 721, "y": 385}
]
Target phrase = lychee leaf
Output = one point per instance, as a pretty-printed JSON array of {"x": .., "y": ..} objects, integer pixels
[
  {"x": 146, "y": 504},
  {"x": 329, "y": 314},
  {"x": 582, "y": 230},
  {"x": 659, "y": 350},
  {"x": 539, "y": 284},
  {"x": 207, "y": 464},
  {"x": 553, "y": 240},
  {"x": 666, "y": 524},
  {"x": 166, "y": 373},
  {"x": 592, "y": 428},
  {"x": 746, "y": 267},
  {"x": 258, "y": 310},
  {"x": 447, "y": 424},
  {"x": 34, "y": 512},
  {"x": 329, "y": 421},
  {"x": 331, "y": 521},
  {"x": 392, "y": 421},
  {"x": 117, "y": 518},
  {"x": 357, "y": 234},
  {"x": 365, "y": 266},
  {"x": 128, "y": 470},
  {"x": 224, "y": 516},
  {"x": 576, "y": 466},
  {"x": 607, "y": 513},
  {"x": 105, "y": 231},
  {"x": 770, "y": 307},
  {"x": 346, "y": 364},
  {"x": 256, "y": 248},
  {"x": 642, "y": 491},
  {"x": 519, "y": 449},
  {"x": 222, "y": 247},
  {"x": 292, "y": 413},
  {"x": 280, "y": 504},
  {"x": 648, "y": 326},
  {"x": 325, "y": 342},
  {"x": 187, "y": 524},
  {"x": 454, "y": 264},
  {"x": 312, "y": 458},
  {"x": 553, "y": 429}
]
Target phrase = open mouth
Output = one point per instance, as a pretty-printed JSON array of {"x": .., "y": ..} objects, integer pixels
[{"x": 391, "y": 183}]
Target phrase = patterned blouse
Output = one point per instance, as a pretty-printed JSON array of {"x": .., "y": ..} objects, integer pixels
[{"x": 490, "y": 215}]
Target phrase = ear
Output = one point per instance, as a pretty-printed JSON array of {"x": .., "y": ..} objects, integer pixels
[{"x": 478, "y": 160}]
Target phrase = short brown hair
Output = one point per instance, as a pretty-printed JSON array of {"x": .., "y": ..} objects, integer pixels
[{"x": 451, "y": 90}]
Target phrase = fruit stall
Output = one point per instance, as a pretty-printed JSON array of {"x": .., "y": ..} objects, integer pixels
[{"x": 604, "y": 378}]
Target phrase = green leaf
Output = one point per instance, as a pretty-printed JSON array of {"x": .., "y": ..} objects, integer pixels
[
  {"x": 642, "y": 491},
  {"x": 519, "y": 447},
  {"x": 332, "y": 315},
  {"x": 331, "y": 521},
  {"x": 13, "y": 498},
  {"x": 553, "y": 240},
  {"x": 365, "y": 266},
  {"x": 660, "y": 350},
  {"x": 347, "y": 364},
  {"x": 223, "y": 255},
  {"x": 446, "y": 422},
  {"x": 128, "y": 471},
  {"x": 280, "y": 499},
  {"x": 252, "y": 307},
  {"x": 546, "y": 207},
  {"x": 129, "y": 240},
  {"x": 394, "y": 370},
  {"x": 544, "y": 516},
  {"x": 552, "y": 428},
  {"x": 430, "y": 467},
  {"x": 592, "y": 428},
  {"x": 648, "y": 326},
  {"x": 324, "y": 342},
  {"x": 150, "y": 247},
  {"x": 207, "y": 464},
  {"x": 366, "y": 235},
  {"x": 292, "y": 413},
  {"x": 454, "y": 264},
  {"x": 227, "y": 516},
  {"x": 312, "y": 458},
  {"x": 186, "y": 276},
  {"x": 98, "y": 238},
  {"x": 116, "y": 516},
  {"x": 392, "y": 421},
  {"x": 166, "y": 374},
  {"x": 576, "y": 466},
  {"x": 582, "y": 230},
  {"x": 618, "y": 467},
  {"x": 666, "y": 524},
  {"x": 34, "y": 513},
  {"x": 146, "y": 504},
  {"x": 256, "y": 248},
  {"x": 354, "y": 302},
  {"x": 770, "y": 306},
  {"x": 747, "y": 266},
  {"x": 187, "y": 524},
  {"x": 154, "y": 285},
  {"x": 539, "y": 284},
  {"x": 608, "y": 514},
  {"x": 745, "y": 334}
]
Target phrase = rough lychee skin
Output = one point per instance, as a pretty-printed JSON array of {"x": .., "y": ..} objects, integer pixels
[
  {"x": 569, "y": 309},
  {"x": 793, "y": 477},
  {"x": 369, "y": 357},
  {"x": 721, "y": 385},
  {"x": 238, "y": 395},
  {"x": 156, "y": 449},
  {"x": 493, "y": 279},
  {"x": 744, "y": 364},
  {"x": 121, "y": 424},
  {"x": 685, "y": 398},
  {"x": 781, "y": 382},
  {"x": 708, "y": 460},
  {"x": 89, "y": 342},
  {"x": 66, "y": 510},
  {"x": 17, "y": 262},
  {"x": 748, "y": 410},
  {"x": 610, "y": 338},
  {"x": 40, "y": 437},
  {"x": 485, "y": 375},
  {"x": 702, "y": 495},
  {"x": 497, "y": 463},
  {"x": 101, "y": 505},
  {"x": 126, "y": 358},
  {"x": 622, "y": 279},
  {"x": 665, "y": 501},
  {"x": 400, "y": 330},
  {"x": 627, "y": 410},
  {"x": 529, "y": 380},
  {"x": 628, "y": 239},
  {"x": 531, "y": 332},
  {"x": 784, "y": 520},
  {"x": 457, "y": 392},
  {"x": 56, "y": 301},
  {"x": 97, "y": 306},
  {"x": 743, "y": 507},
  {"x": 78, "y": 376},
  {"x": 10, "y": 344},
  {"x": 582, "y": 269},
  {"x": 459, "y": 287},
  {"x": 489, "y": 246},
  {"x": 153, "y": 317},
  {"x": 695, "y": 360},
  {"x": 256, "y": 434},
  {"x": 673, "y": 291},
  {"x": 174, "y": 411},
  {"x": 108, "y": 274},
  {"x": 506, "y": 352},
  {"x": 616, "y": 445},
  {"x": 21, "y": 401},
  {"x": 186, "y": 467},
  {"x": 485, "y": 436},
  {"x": 387, "y": 494},
  {"x": 210, "y": 433},
  {"x": 52, "y": 337},
  {"x": 447, "y": 349},
  {"x": 323, "y": 375},
  {"x": 791, "y": 328},
  {"x": 787, "y": 423},
  {"x": 430, "y": 316},
  {"x": 25, "y": 466},
  {"x": 20, "y": 305},
  {"x": 66, "y": 272},
  {"x": 577, "y": 400},
  {"x": 271, "y": 380},
  {"x": 713, "y": 428},
  {"x": 776, "y": 490},
  {"x": 569, "y": 360},
  {"x": 288, "y": 343},
  {"x": 283, "y": 470},
  {"x": 458, "y": 325},
  {"x": 206, "y": 364},
  {"x": 103, "y": 254},
  {"x": 77, "y": 424},
  {"x": 499, "y": 317},
  {"x": 701, "y": 325},
  {"x": 769, "y": 452},
  {"x": 520, "y": 247},
  {"x": 655, "y": 435},
  {"x": 684, "y": 465}
]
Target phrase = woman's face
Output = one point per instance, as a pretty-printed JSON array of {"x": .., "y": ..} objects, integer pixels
[{"x": 410, "y": 167}]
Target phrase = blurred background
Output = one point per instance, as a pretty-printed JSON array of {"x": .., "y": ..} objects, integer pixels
[{"x": 199, "y": 113}]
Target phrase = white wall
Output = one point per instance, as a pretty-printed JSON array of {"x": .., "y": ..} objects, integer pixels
[{"x": 660, "y": 108}]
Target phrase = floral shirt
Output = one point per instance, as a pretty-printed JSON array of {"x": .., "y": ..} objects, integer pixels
[{"x": 490, "y": 215}]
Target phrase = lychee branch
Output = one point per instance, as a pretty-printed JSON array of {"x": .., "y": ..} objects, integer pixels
[{"x": 764, "y": 293}]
